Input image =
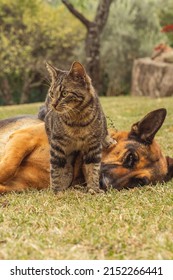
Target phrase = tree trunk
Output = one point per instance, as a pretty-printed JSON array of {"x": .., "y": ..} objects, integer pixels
[
  {"x": 92, "y": 41},
  {"x": 6, "y": 93},
  {"x": 29, "y": 82},
  {"x": 152, "y": 78},
  {"x": 92, "y": 50},
  {"x": 24, "y": 98}
]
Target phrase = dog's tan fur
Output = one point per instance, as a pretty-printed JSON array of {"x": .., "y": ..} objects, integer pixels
[{"x": 24, "y": 158}]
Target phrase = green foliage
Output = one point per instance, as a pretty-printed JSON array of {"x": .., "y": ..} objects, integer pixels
[
  {"x": 32, "y": 32},
  {"x": 132, "y": 31}
]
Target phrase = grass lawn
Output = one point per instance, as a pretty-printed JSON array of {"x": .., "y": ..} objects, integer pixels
[{"x": 130, "y": 224}]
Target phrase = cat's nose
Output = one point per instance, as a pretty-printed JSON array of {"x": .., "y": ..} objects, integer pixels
[{"x": 55, "y": 104}]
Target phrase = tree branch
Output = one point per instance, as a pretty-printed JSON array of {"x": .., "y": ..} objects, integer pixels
[
  {"x": 102, "y": 13},
  {"x": 76, "y": 13}
]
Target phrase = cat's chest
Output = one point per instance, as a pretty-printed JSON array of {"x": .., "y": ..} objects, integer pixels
[
  {"x": 78, "y": 138},
  {"x": 78, "y": 135},
  {"x": 77, "y": 132}
]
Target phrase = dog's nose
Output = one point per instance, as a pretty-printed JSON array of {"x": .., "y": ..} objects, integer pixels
[{"x": 142, "y": 181}]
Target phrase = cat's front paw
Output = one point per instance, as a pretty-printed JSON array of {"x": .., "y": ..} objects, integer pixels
[
  {"x": 95, "y": 191},
  {"x": 108, "y": 141},
  {"x": 57, "y": 189}
]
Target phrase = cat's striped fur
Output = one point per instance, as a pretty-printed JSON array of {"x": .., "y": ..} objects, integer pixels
[{"x": 74, "y": 123}]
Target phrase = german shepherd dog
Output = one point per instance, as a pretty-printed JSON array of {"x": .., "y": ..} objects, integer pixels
[{"x": 135, "y": 160}]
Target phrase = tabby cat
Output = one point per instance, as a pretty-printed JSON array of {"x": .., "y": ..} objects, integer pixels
[{"x": 74, "y": 122}]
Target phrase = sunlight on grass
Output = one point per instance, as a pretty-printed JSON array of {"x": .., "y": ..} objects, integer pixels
[{"x": 134, "y": 224}]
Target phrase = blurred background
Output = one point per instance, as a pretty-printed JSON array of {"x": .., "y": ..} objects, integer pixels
[{"x": 105, "y": 35}]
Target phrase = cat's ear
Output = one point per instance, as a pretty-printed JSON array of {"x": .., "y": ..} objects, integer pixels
[
  {"x": 77, "y": 71},
  {"x": 53, "y": 71}
]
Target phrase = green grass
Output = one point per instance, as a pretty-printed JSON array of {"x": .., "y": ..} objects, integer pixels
[{"x": 134, "y": 224}]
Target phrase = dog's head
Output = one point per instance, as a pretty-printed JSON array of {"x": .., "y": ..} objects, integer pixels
[{"x": 136, "y": 159}]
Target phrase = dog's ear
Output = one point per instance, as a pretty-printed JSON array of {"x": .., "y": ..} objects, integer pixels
[
  {"x": 169, "y": 175},
  {"x": 145, "y": 129}
]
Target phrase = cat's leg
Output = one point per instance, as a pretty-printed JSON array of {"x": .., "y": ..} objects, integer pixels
[
  {"x": 92, "y": 162},
  {"x": 42, "y": 112},
  {"x": 61, "y": 170},
  {"x": 61, "y": 174}
]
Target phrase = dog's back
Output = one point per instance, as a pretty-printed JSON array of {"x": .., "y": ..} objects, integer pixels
[{"x": 10, "y": 125}]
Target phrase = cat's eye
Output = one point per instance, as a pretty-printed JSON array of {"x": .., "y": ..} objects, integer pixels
[{"x": 64, "y": 93}]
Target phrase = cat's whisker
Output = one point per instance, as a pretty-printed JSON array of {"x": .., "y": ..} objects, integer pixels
[
  {"x": 73, "y": 110},
  {"x": 47, "y": 81},
  {"x": 69, "y": 111},
  {"x": 44, "y": 84},
  {"x": 76, "y": 110}
]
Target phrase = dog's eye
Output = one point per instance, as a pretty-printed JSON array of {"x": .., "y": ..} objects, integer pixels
[{"x": 130, "y": 160}]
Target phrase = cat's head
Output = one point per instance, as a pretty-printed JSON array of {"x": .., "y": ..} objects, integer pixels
[{"x": 69, "y": 89}]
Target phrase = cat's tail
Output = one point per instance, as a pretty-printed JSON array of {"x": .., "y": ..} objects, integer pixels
[{"x": 42, "y": 112}]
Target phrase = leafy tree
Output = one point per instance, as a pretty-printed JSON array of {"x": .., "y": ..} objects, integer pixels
[{"x": 32, "y": 32}]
